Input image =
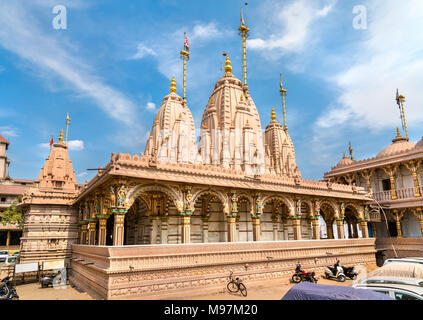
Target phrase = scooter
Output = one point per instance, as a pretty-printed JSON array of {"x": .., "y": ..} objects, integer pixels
[
  {"x": 48, "y": 279},
  {"x": 332, "y": 273},
  {"x": 350, "y": 272},
  {"x": 301, "y": 275},
  {"x": 7, "y": 291}
]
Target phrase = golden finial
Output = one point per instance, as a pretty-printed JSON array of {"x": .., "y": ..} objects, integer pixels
[
  {"x": 283, "y": 94},
  {"x": 211, "y": 101},
  {"x": 61, "y": 135},
  {"x": 345, "y": 155},
  {"x": 228, "y": 67},
  {"x": 180, "y": 115},
  {"x": 173, "y": 85},
  {"x": 273, "y": 114},
  {"x": 398, "y": 133},
  {"x": 67, "y": 126},
  {"x": 241, "y": 99}
]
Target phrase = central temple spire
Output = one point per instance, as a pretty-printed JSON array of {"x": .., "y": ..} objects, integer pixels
[{"x": 244, "y": 33}]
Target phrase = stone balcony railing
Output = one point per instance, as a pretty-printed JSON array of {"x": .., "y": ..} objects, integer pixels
[{"x": 405, "y": 193}]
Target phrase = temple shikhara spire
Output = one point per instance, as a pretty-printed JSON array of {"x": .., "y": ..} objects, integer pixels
[
  {"x": 185, "y": 57},
  {"x": 243, "y": 29}
]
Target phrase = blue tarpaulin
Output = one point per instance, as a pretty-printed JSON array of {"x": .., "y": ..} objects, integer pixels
[{"x": 313, "y": 291}]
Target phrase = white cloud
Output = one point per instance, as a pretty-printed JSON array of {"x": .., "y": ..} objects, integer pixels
[
  {"x": 82, "y": 174},
  {"x": 290, "y": 27},
  {"x": 151, "y": 106},
  {"x": 8, "y": 131},
  {"x": 22, "y": 34},
  {"x": 76, "y": 145},
  {"x": 389, "y": 58},
  {"x": 143, "y": 51}
]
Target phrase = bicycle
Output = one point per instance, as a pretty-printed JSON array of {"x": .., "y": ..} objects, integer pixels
[{"x": 236, "y": 285}]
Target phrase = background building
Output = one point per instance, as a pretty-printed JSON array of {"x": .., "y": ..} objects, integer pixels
[
  {"x": 394, "y": 179},
  {"x": 11, "y": 190}
]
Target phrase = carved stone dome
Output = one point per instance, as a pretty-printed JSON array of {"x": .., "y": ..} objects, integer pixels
[
  {"x": 399, "y": 144},
  {"x": 172, "y": 138},
  {"x": 345, "y": 161},
  {"x": 231, "y": 134},
  {"x": 279, "y": 150}
]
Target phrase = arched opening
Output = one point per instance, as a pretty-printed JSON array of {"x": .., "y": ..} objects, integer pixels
[
  {"x": 327, "y": 224},
  {"x": 208, "y": 219},
  {"x": 244, "y": 221},
  {"x": 275, "y": 223},
  {"x": 352, "y": 229},
  {"x": 410, "y": 225}
]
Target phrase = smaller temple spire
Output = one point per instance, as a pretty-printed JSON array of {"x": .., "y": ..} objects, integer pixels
[
  {"x": 398, "y": 132},
  {"x": 173, "y": 85},
  {"x": 273, "y": 114},
  {"x": 228, "y": 66},
  {"x": 61, "y": 136}
]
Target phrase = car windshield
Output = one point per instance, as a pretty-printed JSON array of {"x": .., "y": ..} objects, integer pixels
[{"x": 394, "y": 281}]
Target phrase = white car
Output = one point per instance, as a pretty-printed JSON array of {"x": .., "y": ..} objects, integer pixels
[
  {"x": 396, "y": 291},
  {"x": 393, "y": 280},
  {"x": 403, "y": 260}
]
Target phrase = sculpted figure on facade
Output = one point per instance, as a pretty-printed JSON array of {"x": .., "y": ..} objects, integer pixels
[
  {"x": 122, "y": 196},
  {"x": 234, "y": 201}
]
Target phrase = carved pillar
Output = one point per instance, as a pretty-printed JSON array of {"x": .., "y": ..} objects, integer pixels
[
  {"x": 231, "y": 228},
  {"x": 102, "y": 229},
  {"x": 92, "y": 226},
  {"x": 8, "y": 238},
  {"x": 329, "y": 229},
  {"x": 296, "y": 222},
  {"x": 84, "y": 236},
  {"x": 364, "y": 229},
  {"x": 119, "y": 229},
  {"x": 340, "y": 228},
  {"x": 397, "y": 217},
  {"x": 256, "y": 228},
  {"x": 205, "y": 222},
  {"x": 186, "y": 229},
  {"x": 413, "y": 166},
  {"x": 390, "y": 171},
  {"x": 275, "y": 229},
  {"x": 164, "y": 230},
  {"x": 315, "y": 228},
  {"x": 374, "y": 229},
  {"x": 153, "y": 229}
]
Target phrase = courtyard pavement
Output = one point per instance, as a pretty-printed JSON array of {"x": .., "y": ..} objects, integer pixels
[{"x": 273, "y": 289}]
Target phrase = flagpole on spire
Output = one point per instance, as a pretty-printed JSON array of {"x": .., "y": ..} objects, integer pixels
[
  {"x": 283, "y": 94},
  {"x": 67, "y": 127},
  {"x": 51, "y": 143},
  {"x": 185, "y": 56},
  {"x": 244, "y": 33},
  {"x": 400, "y": 101}
]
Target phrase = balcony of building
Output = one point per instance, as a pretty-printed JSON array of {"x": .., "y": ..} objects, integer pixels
[{"x": 400, "y": 194}]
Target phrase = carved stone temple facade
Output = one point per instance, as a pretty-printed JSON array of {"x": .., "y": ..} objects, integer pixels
[
  {"x": 182, "y": 214},
  {"x": 50, "y": 220}
]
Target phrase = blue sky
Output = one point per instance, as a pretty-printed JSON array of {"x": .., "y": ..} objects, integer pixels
[{"x": 112, "y": 65}]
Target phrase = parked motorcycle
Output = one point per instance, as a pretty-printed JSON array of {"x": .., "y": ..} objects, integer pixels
[
  {"x": 335, "y": 273},
  {"x": 7, "y": 291},
  {"x": 350, "y": 272},
  {"x": 301, "y": 275}
]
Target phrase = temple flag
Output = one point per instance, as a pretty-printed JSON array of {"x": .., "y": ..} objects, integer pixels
[{"x": 186, "y": 45}]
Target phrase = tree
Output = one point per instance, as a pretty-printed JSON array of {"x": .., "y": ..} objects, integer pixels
[{"x": 12, "y": 215}]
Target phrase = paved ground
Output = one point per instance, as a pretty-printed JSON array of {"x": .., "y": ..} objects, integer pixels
[{"x": 265, "y": 290}]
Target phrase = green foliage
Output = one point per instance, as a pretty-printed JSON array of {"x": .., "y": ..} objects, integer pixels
[{"x": 12, "y": 215}]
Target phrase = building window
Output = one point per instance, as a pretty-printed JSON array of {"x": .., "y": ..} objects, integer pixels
[
  {"x": 386, "y": 184},
  {"x": 3, "y": 199}
]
